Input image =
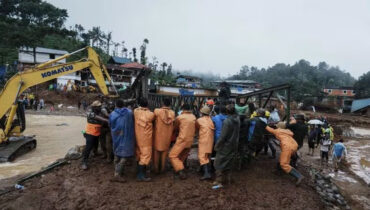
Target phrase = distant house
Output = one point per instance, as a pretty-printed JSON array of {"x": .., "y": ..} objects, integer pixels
[
  {"x": 361, "y": 106},
  {"x": 26, "y": 56},
  {"x": 340, "y": 91},
  {"x": 188, "y": 81},
  {"x": 118, "y": 60},
  {"x": 339, "y": 97},
  {"x": 238, "y": 87}
]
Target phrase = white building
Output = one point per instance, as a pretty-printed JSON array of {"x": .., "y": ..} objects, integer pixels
[
  {"x": 25, "y": 55},
  {"x": 26, "y": 60}
]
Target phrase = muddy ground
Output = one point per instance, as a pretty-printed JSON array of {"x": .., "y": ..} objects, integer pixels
[{"x": 259, "y": 187}]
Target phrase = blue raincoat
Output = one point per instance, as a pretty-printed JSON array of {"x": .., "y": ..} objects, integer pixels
[
  {"x": 218, "y": 121},
  {"x": 121, "y": 122}
]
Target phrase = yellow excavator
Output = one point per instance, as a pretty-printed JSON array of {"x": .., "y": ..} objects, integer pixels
[{"x": 12, "y": 114}]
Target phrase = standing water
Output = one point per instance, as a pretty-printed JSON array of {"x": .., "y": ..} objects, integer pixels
[{"x": 55, "y": 135}]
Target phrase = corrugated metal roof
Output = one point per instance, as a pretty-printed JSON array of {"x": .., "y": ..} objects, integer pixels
[
  {"x": 120, "y": 60},
  {"x": 237, "y": 81},
  {"x": 44, "y": 50},
  {"x": 360, "y": 104}
]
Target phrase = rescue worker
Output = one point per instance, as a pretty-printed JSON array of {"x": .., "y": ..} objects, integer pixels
[
  {"x": 218, "y": 121},
  {"x": 121, "y": 123},
  {"x": 227, "y": 147},
  {"x": 206, "y": 129},
  {"x": 288, "y": 148},
  {"x": 105, "y": 138},
  {"x": 144, "y": 138},
  {"x": 255, "y": 132},
  {"x": 185, "y": 124},
  {"x": 325, "y": 143},
  {"x": 339, "y": 152},
  {"x": 92, "y": 131},
  {"x": 164, "y": 118},
  {"x": 300, "y": 131}
]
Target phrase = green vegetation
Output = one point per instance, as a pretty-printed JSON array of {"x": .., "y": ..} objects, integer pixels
[
  {"x": 306, "y": 80},
  {"x": 362, "y": 86}
]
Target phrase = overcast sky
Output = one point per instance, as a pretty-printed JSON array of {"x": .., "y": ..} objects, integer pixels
[{"x": 221, "y": 36}]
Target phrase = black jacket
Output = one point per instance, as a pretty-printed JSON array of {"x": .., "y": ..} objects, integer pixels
[{"x": 227, "y": 144}]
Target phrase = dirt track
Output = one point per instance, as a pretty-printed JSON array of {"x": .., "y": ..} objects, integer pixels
[{"x": 70, "y": 188}]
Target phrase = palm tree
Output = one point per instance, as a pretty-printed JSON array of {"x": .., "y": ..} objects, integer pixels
[
  {"x": 109, "y": 39},
  {"x": 95, "y": 35},
  {"x": 115, "y": 51},
  {"x": 134, "y": 53}
]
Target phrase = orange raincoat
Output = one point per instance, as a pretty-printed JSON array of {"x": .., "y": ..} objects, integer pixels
[
  {"x": 287, "y": 144},
  {"x": 164, "y": 118},
  {"x": 179, "y": 152},
  {"x": 206, "y": 137},
  {"x": 144, "y": 134}
]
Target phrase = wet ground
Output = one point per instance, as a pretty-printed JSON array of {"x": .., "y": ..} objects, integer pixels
[
  {"x": 353, "y": 177},
  {"x": 54, "y": 134},
  {"x": 259, "y": 187}
]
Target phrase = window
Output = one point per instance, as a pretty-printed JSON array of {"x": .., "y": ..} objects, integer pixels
[
  {"x": 52, "y": 56},
  {"x": 344, "y": 91}
]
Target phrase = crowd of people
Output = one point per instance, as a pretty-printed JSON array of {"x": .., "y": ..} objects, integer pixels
[
  {"x": 229, "y": 136},
  {"x": 30, "y": 101}
]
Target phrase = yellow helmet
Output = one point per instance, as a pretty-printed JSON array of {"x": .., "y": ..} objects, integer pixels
[{"x": 267, "y": 113}]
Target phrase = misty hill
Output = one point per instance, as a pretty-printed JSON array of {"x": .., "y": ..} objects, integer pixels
[{"x": 306, "y": 79}]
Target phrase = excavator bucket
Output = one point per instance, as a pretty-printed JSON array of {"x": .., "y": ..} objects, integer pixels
[{"x": 16, "y": 146}]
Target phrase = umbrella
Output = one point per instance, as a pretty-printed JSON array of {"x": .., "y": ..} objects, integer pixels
[{"x": 315, "y": 122}]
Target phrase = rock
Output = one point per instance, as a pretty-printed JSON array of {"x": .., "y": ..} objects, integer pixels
[
  {"x": 335, "y": 189},
  {"x": 341, "y": 202},
  {"x": 347, "y": 207},
  {"x": 320, "y": 182},
  {"x": 327, "y": 177},
  {"x": 73, "y": 153},
  {"x": 329, "y": 190}
]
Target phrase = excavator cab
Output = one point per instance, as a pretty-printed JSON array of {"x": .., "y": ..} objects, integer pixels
[{"x": 16, "y": 145}]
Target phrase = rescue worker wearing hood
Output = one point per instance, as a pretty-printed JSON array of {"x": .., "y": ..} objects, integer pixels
[
  {"x": 227, "y": 147},
  {"x": 164, "y": 118},
  {"x": 206, "y": 129},
  {"x": 185, "y": 123},
  {"x": 144, "y": 138},
  {"x": 288, "y": 148},
  {"x": 121, "y": 122}
]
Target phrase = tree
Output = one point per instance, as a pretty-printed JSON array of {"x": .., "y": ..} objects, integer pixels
[
  {"x": 26, "y": 23},
  {"x": 134, "y": 54},
  {"x": 164, "y": 64},
  {"x": 143, "y": 58},
  {"x": 109, "y": 42},
  {"x": 96, "y": 36},
  {"x": 362, "y": 86},
  {"x": 306, "y": 79},
  {"x": 169, "y": 70}
]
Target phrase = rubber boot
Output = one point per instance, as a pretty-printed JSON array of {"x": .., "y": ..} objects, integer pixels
[
  {"x": 141, "y": 174},
  {"x": 206, "y": 172},
  {"x": 297, "y": 175},
  {"x": 182, "y": 174},
  {"x": 84, "y": 166}
]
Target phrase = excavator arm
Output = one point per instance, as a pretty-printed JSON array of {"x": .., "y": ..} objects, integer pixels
[{"x": 43, "y": 73}]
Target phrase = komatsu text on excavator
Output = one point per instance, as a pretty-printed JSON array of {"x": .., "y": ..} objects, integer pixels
[{"x": 12, "y": 115}]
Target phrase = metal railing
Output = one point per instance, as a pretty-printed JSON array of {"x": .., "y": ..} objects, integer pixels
[{"x": 155, "y": 101}]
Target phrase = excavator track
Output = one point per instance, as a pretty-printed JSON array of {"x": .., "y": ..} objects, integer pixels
[{"x": 16, "y": 147}]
